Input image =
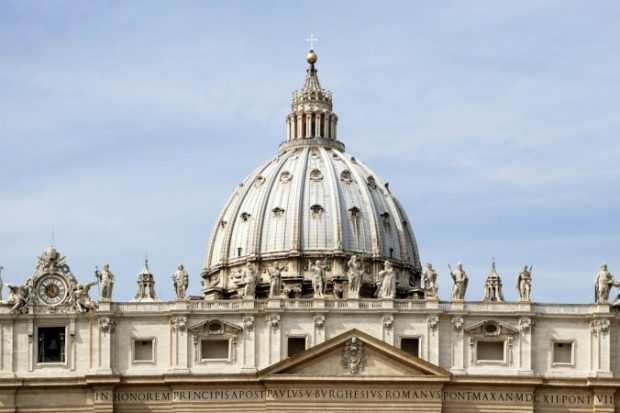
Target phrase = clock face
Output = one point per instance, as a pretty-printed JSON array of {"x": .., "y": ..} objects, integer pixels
[{"x": 51, "y": 290}]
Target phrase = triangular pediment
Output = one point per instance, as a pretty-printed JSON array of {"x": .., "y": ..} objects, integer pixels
[{"x": 341, "y": 355}]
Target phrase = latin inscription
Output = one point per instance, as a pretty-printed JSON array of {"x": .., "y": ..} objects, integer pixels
[{"x": 393, "y": 394}]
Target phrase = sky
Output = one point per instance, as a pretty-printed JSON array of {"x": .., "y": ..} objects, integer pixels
[{"x": 125, "y": 126}]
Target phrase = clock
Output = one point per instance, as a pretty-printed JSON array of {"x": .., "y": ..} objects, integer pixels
[{"x": 52, "y": 290}]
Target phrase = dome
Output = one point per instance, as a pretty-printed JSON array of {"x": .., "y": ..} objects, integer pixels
[{"x": 311, "y": 201}]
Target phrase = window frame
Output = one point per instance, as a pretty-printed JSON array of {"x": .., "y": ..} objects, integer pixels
[
  {"x": 306, "y": 342},
  {"x": 153, "y": 360},
  {"x": 560, "y": 340},
  {"x": 502, "y": 362},
  {"x": 226, "y": 338},
  {"x": 411, "y": 336},
  {"x": 44, "y": 364}
]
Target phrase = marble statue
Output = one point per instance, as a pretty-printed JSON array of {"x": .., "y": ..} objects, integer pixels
[
  {"x": 524, "y": 283},
  {"x": 602, "y": 284},
  {"x": 180, "y": 281},
  {"x": 249, "y": 278},
  {"x": 275, "y": 278},
  {"x": 20, "y": 296},
  {"x": 388, "y": 281},
  {"x": 429, "y": 280},
  {"x": 318, "y": 278},
  {"x": 106, "y": 282},
  {"x": 81, "y": 298},
  {"x": 355, "y": 275},
  {"x": 460, "y": 282}
]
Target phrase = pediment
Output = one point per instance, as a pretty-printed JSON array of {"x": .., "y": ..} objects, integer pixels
[
  {"x": 214, "y": 327},
  {"x": 491, "y": 328},
  {"x": 340, "y": 357}
]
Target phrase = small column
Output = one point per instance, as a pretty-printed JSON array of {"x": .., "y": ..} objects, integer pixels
[
  {"x": 249, "y": 343},
  {"x": 601, "y": 347},
  {"x": 458, "y": 345},
  {"x": 319, "y": 329},
  {"x": 180, "y": 344},
  {"x": 526, "y": 325},
  {"x": 106, "y": 329},
  {"x": 432, "y": 339},
  {"x": 273, "y": 326},
  {"x": 299, "y": 130}
]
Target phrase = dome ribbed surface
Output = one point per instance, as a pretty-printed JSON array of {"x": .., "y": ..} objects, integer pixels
[{"x": 311, "y": 200}]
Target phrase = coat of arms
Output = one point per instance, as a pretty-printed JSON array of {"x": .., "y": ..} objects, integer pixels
[{"x": 353, "y": 356}]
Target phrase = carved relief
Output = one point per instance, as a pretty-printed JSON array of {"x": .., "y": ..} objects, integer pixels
[
  {"x": 599, "y": 327},
  {"x": 388, "y": 321},
  {"x": 433, "y": 322},
  {"x": 273, "y": 320},
  {"x": 178, "y": 323},
  {"x": 353, "y": 356},
  {"x": 106, "y": 325},
  {"x": 526, "y": 324},
  {"x": 319, "y": 321},
  {"x": 457, "y": 323},
  {"x": 248, "y": 323}
]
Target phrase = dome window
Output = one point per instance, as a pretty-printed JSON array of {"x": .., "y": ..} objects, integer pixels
[
  {"x": 259, "y": 180},
  {"x": 355, "y": 212},
  {"x": 345, "y": 176},
  {"x": 386, "y": 219},
  {"x": 371, "y": 182},
  {"x": 316, "y": 175},
  {"x": 285, "y": 177},
  {"x": 223, "y": 224},
  {"x": 355, "y": 219},
  {"x": 245, "y": 216},
  {"x": 277, "y": 212},
  {"x": 317, "y": 210}
]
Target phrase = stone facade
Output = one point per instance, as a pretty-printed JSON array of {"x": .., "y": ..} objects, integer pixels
[{"x": 315, "y": 304}]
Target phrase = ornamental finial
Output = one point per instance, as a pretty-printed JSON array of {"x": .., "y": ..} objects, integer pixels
[{"x": 311, "y": 57}]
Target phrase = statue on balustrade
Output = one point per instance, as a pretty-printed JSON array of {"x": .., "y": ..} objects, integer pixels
[
  {"x": 355, "y": 275},
  {"x": 461, "y": 280},
  {"x": 524, "y": 283},
  {"x": 106, "y": 282},
  {"x": 275, "y": 278},
  {"x": 318, "y": 278},
  {"x": 81, "y": 298},
  {"x": 249, "y": 280},
  {"x": 602, "y": 284},
  {"x": 388, "y": 282},
  {"x": 429, "y": 281},
  {"x": 180, "y": 282}
]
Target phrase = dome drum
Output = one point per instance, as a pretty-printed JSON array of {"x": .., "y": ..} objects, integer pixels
[{"x": 296, "y": 277}]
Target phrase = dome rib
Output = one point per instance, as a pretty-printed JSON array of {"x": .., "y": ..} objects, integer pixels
[
  {"x": 368, "y": 205},
  {"x": 266, "y": 195},
  {"x": 334, "y": 182}
]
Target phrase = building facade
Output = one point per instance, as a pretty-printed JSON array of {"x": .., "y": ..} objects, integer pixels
[{"x": 313, "y": 299}]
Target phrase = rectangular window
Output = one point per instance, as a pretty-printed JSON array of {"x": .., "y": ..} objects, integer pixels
[
  {"x": 211, "y": 349},
  {"x": 410, "y": 345},
  {"x": 563, "y": 352},
  {"x": 51, "y": 344},
  {"x": 143, "y": 350},
  {"x": 490, "y": 350},
  {"x": 295, "y": 345}
]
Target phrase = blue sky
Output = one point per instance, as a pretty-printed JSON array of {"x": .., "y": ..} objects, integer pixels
[{"x": 125, "y": 126}]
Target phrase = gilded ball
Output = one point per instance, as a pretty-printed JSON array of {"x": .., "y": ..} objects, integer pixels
[{"x": 311, "y": 57}]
